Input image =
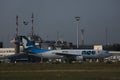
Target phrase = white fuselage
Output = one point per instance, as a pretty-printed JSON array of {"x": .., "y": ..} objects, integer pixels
[{"x": 85, "y": 53}]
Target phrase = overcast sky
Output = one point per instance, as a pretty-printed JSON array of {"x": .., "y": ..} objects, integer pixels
[{"x": 52, "y": 16}]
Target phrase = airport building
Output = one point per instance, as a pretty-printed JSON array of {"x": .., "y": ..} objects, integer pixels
[{"x": 7, "y": 51}]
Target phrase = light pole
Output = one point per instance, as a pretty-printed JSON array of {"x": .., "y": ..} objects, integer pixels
[
  {"x": 77, "y": 19},
  {"x": 82, "y": 36},
  {"x": 106, "y": 35}
]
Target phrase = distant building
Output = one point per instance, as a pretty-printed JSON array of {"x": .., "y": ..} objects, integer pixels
[
  {"x": 60, "y": 44},
  {"x": 37, "y": 40},
  {"x": 83, "y": 47},
  {"x": 7, "y": 51},
  {"x": 1, "y": 44},
  {"x": 98, "y": 47}
]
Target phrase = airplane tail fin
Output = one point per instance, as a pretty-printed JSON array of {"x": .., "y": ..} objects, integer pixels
[
  {"x": 26, "y": 42},
  {"x": 30, "y": 47}
]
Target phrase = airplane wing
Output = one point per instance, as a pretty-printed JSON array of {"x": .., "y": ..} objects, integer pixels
[
  {"x": 19, "y": 55},
  {"x": 69, "y": 57},
  {"x": 114, "y": 53}
]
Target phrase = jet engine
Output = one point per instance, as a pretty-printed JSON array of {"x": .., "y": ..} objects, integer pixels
[{"x": 79, "y": 58}]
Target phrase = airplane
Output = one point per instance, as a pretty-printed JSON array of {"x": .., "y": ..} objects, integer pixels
[{"x": 74, "y": 54}]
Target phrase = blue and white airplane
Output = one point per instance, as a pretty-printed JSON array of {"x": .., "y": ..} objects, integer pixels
[{"x": 63, "y": 54}]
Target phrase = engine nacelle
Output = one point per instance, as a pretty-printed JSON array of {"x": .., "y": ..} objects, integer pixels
[{"x": 79, "y": 58}]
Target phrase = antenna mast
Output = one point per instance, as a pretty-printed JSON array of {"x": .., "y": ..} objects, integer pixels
[
  {"x": 16, "y": 26},
  {"x": 32, "y": 24}
]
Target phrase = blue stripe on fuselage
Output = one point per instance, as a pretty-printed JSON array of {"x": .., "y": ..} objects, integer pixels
[{"x": 36, "y": 50}]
